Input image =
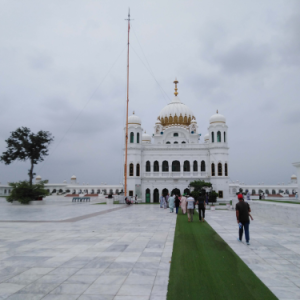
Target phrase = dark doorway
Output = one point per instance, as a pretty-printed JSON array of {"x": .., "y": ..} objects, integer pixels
[
  {"x": 176, "y": 192},
  {"x": 165, "y": 192},
  {"x": 147, "y": 195},
  {"x": 156, "y": 196}
]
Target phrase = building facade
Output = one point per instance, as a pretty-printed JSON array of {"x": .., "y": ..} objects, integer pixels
[{"x": 173, "y": 157}]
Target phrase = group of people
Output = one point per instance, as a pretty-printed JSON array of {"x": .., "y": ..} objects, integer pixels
[{"x": 186, "y": 203}]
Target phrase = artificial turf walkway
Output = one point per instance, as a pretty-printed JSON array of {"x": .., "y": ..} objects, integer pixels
[{"x": 204, "y": 267}]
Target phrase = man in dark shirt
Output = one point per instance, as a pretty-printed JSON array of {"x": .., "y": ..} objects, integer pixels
[
  {"x": 242, "y": 216},
  {"x": 201, "y": 205}
]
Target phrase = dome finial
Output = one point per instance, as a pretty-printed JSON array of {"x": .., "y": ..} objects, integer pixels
[
  {"x": 133, "y": 112},
  {"x": 176, "y": 81},
  {"x": 217, "y": 111}
]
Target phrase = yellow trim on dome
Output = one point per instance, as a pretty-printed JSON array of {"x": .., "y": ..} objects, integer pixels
[{"x": 135, "y": 123}]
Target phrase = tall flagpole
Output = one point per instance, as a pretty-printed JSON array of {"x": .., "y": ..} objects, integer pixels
[{"x": 126, "y": 138}]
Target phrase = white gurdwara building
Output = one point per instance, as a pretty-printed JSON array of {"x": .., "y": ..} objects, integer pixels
[{"x": 173, "y": 157}]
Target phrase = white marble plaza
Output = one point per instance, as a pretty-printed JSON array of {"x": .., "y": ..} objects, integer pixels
[
  {"x": 274, "y": 253},
  {"x": 122, "y": 254},
  {"x": 64, "y": 250}
]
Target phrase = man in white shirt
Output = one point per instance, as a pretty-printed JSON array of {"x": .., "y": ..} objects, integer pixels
[{"x": 190, "y": 205}]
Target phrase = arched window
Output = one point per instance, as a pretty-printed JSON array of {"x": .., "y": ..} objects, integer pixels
[
  {"x": 165, "y": 166},
  {"x": 5, "y": 191},
  {"x": 253, "y": 192},
  {"x": 131, "y": 170},
  {"x": 183, "y": 142},
  {"x": 117, "y": 191},
  {"x": 175, "y": 166},
  {"x": 195, "y": 166},
  {"x": 175, "y": 142},
  {"x": 111, "y": 191},
  {"x": 148, "y": 166},
  {"x": 168, "y": 143},
  {"x": 137, "y": 170},
  {"x": 131, "y": 137},
  {"x": 273, "y": 192},
  {"x": 220, "y": 172},
  {"x": 219, "y": 137},
  {"x": 267, "y": 192},
  {"x": 138, "y": 138},
  {"x": 213, "y": 169},
  {"x": 224, "y": 137},
  {"x": 202, "y": 166},
  {"x": 212, "y": 137},
  {"x": 226, "y": 170},
  {"x": 156, "y": 166},
  {"x": 186, "y": 166},
  {"x": 175, "y": 134}
]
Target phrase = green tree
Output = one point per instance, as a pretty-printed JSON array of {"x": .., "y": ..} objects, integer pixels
[
  {"x": 198, "y": 185},
  {"x": 24, "y": 144},
  {"x": 23, "y": 192}
]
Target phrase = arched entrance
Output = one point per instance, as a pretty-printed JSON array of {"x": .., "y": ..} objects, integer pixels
[
  {"x": 175, "y": 192},
  {"x": 148, "y": 195},
  {"x": 156, "y": 196},
  {"x": 165, "y": 192}
]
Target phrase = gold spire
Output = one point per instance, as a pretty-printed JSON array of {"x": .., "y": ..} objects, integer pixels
[
  {"x": 176, "y": 81},
  {"x": 217, "y": 111},
  {"x": 133, "y": 112}
]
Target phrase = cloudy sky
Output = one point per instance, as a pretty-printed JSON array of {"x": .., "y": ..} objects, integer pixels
[{"x": 63, "y": 69}]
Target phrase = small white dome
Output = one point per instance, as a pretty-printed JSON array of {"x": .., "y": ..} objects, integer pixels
[
  {"x": 146, "y": 137},
  {"x": 38, "y": 177},
  {"x": 206, "y": 137},
  {"x": 217, "y": 118},
  {"x": 134, "y": 119},
  {"x": 158, "y": 122},
  {"x": 73, "y": 177},
  {"x": 293, "y": 176},
  {"x": 193, "y": 121}
]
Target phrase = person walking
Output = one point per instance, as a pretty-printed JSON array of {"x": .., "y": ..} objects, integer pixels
[
  {"x": 190, "y": 207},
  {"x": 162, "y": 201},
  {"x": 248, "y": 195},
  {"x": 242, "y": 216},
  {"x": 171, "y": 203},
  {"x": 165, "y": 202},
  {"x": 177, "y": 203},
  {"x": 183, "y": 204},
  {"x": 201, "y": 205}
]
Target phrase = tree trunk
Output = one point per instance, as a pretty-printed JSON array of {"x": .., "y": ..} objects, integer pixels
[{"x": 31, "y": 174}]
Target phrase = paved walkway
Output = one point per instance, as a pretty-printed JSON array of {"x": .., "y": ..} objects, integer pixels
[
  {"x": 118, "y": 255},
  {"x": 274, "y": 253}
]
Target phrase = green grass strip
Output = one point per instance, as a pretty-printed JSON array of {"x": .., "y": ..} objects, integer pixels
[
  {"x": 269, "y": 200},
  {"x": 205, "y": 267}
]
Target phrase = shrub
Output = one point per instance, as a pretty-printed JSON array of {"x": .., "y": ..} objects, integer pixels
[{"x": 24, "y": 193}]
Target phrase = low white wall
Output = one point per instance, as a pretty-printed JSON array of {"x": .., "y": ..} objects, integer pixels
[{"x": 277, "y": 212}]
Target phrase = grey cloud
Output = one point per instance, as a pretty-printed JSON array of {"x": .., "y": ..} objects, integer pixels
[
  {"x": 243, "y": 58},
  {"x": 40, "y": 61},
  {"x": 53, "y": 61}
]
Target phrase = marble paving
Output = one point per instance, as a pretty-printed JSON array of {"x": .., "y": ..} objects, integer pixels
[
  {"x": 274, "y": 253},
  {"x": 117, "y": 255}
]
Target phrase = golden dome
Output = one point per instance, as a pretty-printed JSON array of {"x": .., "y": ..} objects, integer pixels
[{"x": 176, "y": 113}]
